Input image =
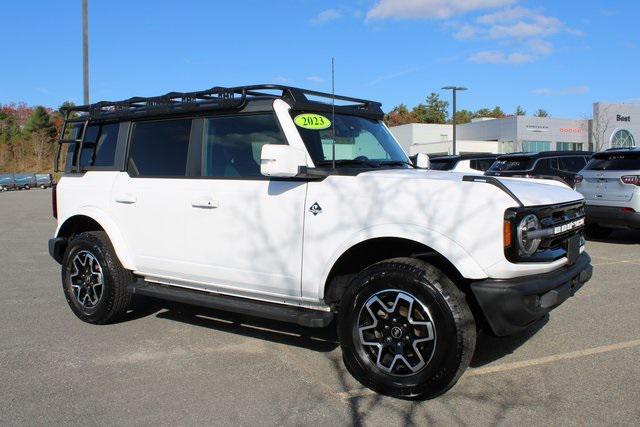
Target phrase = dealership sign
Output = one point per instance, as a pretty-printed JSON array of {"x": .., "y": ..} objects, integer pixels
[
  {"x": 537, "y": 128},
  {"x": 570, "y": 130},
  {"x": 620, "y": 118}
]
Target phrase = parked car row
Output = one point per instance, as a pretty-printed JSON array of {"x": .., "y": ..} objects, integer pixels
[
  {"x": 25, "y": 181},
  {"x": 608, "y": 180}
]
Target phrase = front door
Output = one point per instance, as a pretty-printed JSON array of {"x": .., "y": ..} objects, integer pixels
[{"x": 243, "y": 231}]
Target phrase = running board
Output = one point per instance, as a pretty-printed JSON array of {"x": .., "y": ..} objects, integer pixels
[{"x": 284, "y": 313}]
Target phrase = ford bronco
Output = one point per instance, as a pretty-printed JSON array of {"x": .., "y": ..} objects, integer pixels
[{"x": 300, "y": 206}]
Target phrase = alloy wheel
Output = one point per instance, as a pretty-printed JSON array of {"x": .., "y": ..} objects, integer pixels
[
  {"x": 87, "y": 280},
  {"x": 396, "y": 332}
]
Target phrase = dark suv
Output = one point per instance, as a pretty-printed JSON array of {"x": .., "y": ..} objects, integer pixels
[
  {"x": 558, "y": 165},
  {"x": 476, "y": 162}
]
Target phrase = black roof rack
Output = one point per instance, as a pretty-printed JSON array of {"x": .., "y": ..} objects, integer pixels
[{"x": 220, "y": 98}]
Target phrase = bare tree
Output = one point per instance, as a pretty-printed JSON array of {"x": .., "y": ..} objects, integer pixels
[{"x": 599, "y": 126}]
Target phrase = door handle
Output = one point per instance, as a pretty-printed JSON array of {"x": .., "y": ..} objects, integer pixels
[
  {"x": 126, "y": 198},
  {"x": 205, "y": 203}
]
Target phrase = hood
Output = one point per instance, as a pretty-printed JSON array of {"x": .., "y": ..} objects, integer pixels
[{"x": 531, "y": 192}]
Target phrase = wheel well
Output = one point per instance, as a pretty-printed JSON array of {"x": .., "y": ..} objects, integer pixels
[
  {"x": 78, "y": 224},
  {"x": 369, "y": 252}
]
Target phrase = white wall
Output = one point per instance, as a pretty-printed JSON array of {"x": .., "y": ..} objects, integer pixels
[{"x": 610, "y": 118}]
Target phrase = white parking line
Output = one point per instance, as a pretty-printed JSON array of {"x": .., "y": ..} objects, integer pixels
[
  {"x": 553, "y": 358},
  {"x": 361, "y": 392}
]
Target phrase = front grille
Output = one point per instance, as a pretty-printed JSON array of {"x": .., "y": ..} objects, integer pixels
[
  {"x": 551, "y": 217},
  {"x": 557, "y": 216}
]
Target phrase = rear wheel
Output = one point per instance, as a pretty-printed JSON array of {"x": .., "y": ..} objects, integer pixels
[
  {"x": 406, "y": 329},
  {"x": 598, "y": 232},
  {"x": 26, "y": 187},
  {"x": 93, "y": 280}
]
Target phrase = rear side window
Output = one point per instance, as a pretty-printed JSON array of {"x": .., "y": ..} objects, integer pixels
[
  {"x": 159, "y": 148},
  {"x": 481, "y": 164},
  {"x": 615, "y": 161},
  {"x": 233, "y": 144},
  {"x": 99, "y": 145},
  {"x": 571, "y": 164},
  {"x": 547, "y": 165}
]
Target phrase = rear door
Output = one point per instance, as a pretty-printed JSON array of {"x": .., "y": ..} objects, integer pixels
[{"x": 149, "y": 199}]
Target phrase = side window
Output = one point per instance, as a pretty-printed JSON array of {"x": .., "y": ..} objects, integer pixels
[
  {"x": 546, "y": 166},
  {"x": 232, "y": 144},
  {"x": 481, "y": 164},
  {"x": 99, "y": 146},
  {"x": 571, "y": 164},
  {"x": 159, "y": 148}
]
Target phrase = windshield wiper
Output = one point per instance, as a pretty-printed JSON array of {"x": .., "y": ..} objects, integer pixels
[{"x": 346, "y": 162}]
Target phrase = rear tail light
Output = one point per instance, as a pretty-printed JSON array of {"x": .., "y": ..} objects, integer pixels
[
  {"x": 630, "y": 179},
  {"x": 627, "y": 210},
  {"x": 578, "y": 179},
  {"x": 54, "y": 201}
]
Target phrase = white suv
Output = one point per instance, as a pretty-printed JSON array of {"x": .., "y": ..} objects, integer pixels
[
  {"x": 610, "y": 183},
  {"x": 262, "y": 200}
]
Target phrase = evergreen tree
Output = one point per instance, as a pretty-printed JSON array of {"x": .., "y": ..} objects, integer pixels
[
  {"x": 541, "y": 113},
  {"x": 520, "y": 111},
  {"x": 434, "y": 111}
]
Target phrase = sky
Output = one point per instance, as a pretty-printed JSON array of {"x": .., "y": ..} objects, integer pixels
[{"x": 558, "y": 55}]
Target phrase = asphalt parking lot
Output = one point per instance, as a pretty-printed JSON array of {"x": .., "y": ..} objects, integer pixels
[{"x": 171, "y": 364}]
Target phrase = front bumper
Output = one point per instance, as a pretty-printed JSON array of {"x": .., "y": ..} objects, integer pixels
[
  {"x": 510, "y": 305},
  {"x": 612, "y": 216}
]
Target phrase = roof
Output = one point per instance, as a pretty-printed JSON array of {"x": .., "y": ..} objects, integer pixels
[
  {"x": 466, "y": 156},
  {"x": 544, "y": 154},
  {"x": 223, "y": 98}
]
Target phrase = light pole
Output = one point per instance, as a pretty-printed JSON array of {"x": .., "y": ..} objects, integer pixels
[
  {"x": 454, "y": 89},
  {"x": 85, "y": 51}
]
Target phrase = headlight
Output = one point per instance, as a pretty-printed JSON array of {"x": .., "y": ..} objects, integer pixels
[{"x": 528, "y": 246}]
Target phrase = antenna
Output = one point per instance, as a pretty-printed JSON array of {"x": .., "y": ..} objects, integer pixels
[{"x": 333, "y": 112}]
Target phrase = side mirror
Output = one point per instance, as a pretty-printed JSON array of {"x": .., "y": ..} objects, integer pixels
[
  {"x": 422, "y": 161},
  {"x": 283, "y": 161}
]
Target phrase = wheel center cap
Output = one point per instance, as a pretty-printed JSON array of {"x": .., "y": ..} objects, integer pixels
[{"x": 396, "y": 332}]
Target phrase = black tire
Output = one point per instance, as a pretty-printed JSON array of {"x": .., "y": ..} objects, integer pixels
[
  {"x": 596, "y": 231},
  {"x": 449, "y": 351},
  {"x": 26, "y": 187},
  {"x": 111, "y": 298},
  {"x": 43, "y": 187}
]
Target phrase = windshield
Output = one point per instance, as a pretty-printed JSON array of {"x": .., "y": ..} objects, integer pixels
[
  {"x": 443, "y": 164},
  {"x": 614, "y": 161},
  {"x": 521, "y": 164},
  {"x": 360, "y": 141}
]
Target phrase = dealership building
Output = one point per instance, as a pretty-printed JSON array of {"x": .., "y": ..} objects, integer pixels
[{"x": 613, "y": 125}]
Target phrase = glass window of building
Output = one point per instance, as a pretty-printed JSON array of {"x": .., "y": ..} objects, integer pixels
[
  {"x": 536, "y": 146},
  {"x": 569, "y": 146},
  {"x": 622, "y": 139}
]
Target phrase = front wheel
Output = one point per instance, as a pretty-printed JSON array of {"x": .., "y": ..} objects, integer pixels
[
  {"x": 405, "y": 329},
  {"x": 93, "y": 279}
]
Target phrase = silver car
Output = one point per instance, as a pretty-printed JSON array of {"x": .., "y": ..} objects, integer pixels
[{"x": 610, "y": 184}]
